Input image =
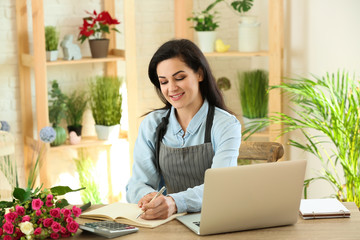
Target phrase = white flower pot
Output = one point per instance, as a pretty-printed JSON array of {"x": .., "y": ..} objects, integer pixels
[
  {"x": 249, "y": 34},
  {"x": 51, "y": 55},
  {"x": 206, "y": 40},
  {"x": 107, "y": 132},
  {"x": 247, "y": 121}
]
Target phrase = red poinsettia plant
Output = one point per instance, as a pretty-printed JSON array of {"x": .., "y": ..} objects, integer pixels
[{"x": 96, "y": 25}]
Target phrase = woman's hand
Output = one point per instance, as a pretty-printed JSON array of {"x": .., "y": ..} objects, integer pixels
[{"x": 161, "y": 208}]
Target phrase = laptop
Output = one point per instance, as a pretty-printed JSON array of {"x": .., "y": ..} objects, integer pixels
[{"x": 249, "y": 197}]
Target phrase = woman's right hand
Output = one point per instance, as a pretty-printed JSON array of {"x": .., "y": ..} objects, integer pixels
[{"x": 146, "y": 199}]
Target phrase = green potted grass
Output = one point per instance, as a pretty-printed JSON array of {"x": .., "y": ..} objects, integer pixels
[
  {"x": 57, "y": 110},
  {"x": 51, "y": 43},
  {"x": 253, "y": 94},
  {"x": 105, "y": 103},
  {"x": 76, "y": 104}
]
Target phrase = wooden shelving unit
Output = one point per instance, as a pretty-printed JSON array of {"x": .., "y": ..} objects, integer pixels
[
  {"x": 184, "y": 9},
  {"x": 37, "y": 62}
]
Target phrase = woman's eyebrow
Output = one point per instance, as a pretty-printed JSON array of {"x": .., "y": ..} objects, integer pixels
[{"x": 173, "y": 74}]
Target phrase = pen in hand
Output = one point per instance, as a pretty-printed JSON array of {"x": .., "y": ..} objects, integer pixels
[{"x": 157, "y": 194}]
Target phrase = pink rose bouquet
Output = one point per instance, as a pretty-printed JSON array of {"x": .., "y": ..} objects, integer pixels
[{"x": 38, "y": 215}]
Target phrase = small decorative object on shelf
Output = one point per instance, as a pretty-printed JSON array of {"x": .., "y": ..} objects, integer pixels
[
  {"x": 4, "y": 126},
  {"x": 38, "y": 214},
  {"x": 94, "y": 28},
  {"x": 220, "y": 46},
  {"x": 51, "y": 43},
  {"x": 223, "y": 83},
  {"x": 205, "y": 26},
  {"x": 105, "y": 103},
  {"x": 71, "y": 51},
  {"x": 254, "y": 96}
]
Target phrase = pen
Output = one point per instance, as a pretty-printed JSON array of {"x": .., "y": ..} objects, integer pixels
[{"x": 158, "y": 194}]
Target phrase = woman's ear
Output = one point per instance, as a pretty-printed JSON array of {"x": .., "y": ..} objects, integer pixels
[{"x": 200, "y": 75}]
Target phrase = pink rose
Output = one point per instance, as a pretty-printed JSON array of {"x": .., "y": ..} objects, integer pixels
[
  {"x": 66, "y": 212},
  {"x": 40, "y": 221},
  {"x": 69, "y": 220},
  {"x": 47, "y": 222},
  {"x": 25, "y": 218},
  {"x": 8, "y": 228},
  {"x": 62, "y": 230},
  {"x": 20, "y": 210},
  {"x": 54, "y": 235},
  {"x": 49, "y": 203},
  {"x": 37, "y": 231},
  {"x": 66, "y": 235},
  {"x": 37, "y": 204},
  {"x": 11, "y": 216},
  {"x": 55, "y": 212},
  {"x": 55, "y": 226},
  {"x": 72, "y": 227},
  {"x": 7, "y": 237},
  {"x": 1, "y": 231},
  {"x": 76, "y": 211},
  {"x": 49, "y": 197},
  {"x": 38, "y": 213}
]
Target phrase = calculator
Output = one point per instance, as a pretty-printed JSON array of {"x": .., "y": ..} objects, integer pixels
[{"x": 108, "y": 229}]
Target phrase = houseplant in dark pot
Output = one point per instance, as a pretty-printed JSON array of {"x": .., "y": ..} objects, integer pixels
[
  {"x": 51, "y": 43},
  {"x": 94, "y": 28},
  {"x": 253, "y": 94},
  {"x": 76, "y": 104},
  {"x": 105, "y": 103},
  {"x": 57, "y": 109}
]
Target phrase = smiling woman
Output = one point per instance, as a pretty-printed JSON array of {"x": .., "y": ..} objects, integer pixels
[{"x": 194, "y": 131}]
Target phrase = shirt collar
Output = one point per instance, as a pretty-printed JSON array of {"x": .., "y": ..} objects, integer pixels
[{"x": 195, "y": 122}]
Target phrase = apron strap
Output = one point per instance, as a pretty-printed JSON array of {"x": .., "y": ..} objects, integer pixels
[{"x": 209, "y": 122}]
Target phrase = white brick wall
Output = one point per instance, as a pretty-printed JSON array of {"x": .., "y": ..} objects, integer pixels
[{"x": 154, "y": 26}]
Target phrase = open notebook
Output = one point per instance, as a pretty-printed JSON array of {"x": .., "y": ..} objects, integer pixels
[
  {"x": 125, "y": 213},
  {"x": 323, "y": 208}
]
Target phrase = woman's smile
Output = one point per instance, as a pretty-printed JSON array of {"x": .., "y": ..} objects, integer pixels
[{"x": 177, "y": 97}]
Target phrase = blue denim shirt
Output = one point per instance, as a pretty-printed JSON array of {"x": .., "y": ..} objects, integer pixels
[{"x": 225, "y": 139}]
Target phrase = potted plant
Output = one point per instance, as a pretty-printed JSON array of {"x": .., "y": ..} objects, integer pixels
[
  {"x": 51, "y": 43},
  {"x": 205, "y": 26},
  {"x": 326, "y": 111},
  {"x": 249, "y": 27},
  {"x": 94, "y": 28},
  {"x": 105, "y": 103},
  {"x": 76, "y": 104},
  {"x": 57, "y": 110},
  {"x": 253, "y": 94}
]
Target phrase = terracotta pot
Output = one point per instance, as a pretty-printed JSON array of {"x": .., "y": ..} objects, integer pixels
[{"x": 99, "y": 47}]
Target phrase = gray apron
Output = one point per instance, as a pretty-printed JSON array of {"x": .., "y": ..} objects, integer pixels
[{"x": 183, "y": 168}]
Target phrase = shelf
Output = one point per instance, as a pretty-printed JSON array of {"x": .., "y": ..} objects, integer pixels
[
  {"x": 89, "y": 141},
  {"x": 237, "y": 54},
  {"x": 109, "y": 58}
]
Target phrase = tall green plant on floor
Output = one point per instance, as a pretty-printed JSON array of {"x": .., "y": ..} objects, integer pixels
[
  {"x": 327, "y": 111},
  {"x": 86, "y": 171},
  {"x": 106, "y": 100},
  {"x": 253, "y": 93}
]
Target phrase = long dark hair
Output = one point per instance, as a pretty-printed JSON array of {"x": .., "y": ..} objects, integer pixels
[{"x": 192, "y": 56}]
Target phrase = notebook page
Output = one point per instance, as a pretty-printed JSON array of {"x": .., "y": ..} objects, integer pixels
[{"x": 322, "y": 206}]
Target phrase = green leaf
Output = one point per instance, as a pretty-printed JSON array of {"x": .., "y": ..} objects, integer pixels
[
  {"x": 5, "y": 204},
  {"x": 61, "y": 203},
  {"x": 61, "y": 190},
  {"x": 21, "y": 194}
]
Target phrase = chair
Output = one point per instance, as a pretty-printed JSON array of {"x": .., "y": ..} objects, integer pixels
[{"x": 265, "y": 151}]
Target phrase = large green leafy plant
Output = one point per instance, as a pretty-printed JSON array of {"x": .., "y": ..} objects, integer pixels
[
  {"x": 105, "y": 100},
  {"x": 327, "y": 112}
]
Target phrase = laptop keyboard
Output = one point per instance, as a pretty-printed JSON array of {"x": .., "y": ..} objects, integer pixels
[{"x": 197, "y": 223}]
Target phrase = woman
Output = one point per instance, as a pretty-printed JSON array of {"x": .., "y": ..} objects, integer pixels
[{"x": 177, "y": 143}]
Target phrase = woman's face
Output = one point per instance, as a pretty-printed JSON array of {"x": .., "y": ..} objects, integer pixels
[{"x": 180, "y": 84}]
